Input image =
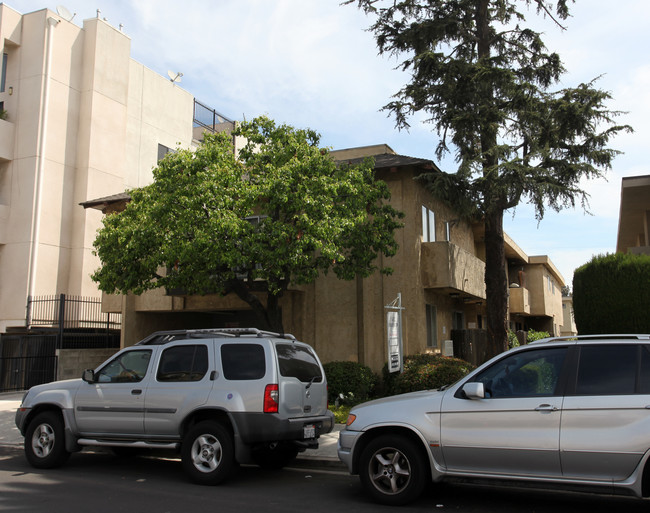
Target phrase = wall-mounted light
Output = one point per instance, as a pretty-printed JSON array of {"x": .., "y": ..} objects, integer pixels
[{"x": 11, "y": 90}]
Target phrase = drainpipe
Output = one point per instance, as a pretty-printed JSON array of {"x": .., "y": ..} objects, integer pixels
[{"x": 42, "y": 136}]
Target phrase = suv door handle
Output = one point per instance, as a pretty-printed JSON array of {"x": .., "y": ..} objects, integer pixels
[
  {"x": 546, "y": 407},
  {"x": 136, "y": 391}
]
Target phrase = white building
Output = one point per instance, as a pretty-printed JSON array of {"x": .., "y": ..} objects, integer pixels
[{"x": 82, "y": 120}]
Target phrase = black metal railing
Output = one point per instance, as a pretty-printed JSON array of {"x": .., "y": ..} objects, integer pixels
[
  {"x": 207, "y": 117},
  {"x": 69, "y": 312}
]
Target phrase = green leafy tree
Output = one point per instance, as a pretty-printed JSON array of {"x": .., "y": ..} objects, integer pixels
[
  {"x": 485, "y": 81},
  {"x": 281, "y": 212}
]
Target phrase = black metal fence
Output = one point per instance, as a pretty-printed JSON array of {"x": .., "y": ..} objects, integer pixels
[
  {"x": 68, "y": 312},
  {"x": 207, "y": 117},
  {"x": 28, "y": 356}
]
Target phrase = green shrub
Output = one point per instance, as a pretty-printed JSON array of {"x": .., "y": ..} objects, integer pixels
[
  {"x": 533, "y": 335},
  {"x": 341, "y": 413},
  {"x": 611, "y": 294},
  {"x": 425, "y": 372},
  {"x": 349, "y": 382}
]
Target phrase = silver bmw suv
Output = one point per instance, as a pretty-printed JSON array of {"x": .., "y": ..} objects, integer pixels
[
  {"x": 556, "y": 412},
  {"x": 219, "y": 396}
]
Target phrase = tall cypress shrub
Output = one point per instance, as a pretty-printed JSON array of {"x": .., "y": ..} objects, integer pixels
[{"x": 611, "y": 294}]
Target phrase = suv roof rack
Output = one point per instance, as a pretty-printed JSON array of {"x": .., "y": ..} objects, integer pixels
[
  {"x": 164, "y": 337},
  {"x": 605, "y": 336}
]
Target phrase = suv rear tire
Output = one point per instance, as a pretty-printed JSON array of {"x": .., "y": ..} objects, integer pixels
[
  {"x": 207, "y": 453},
  {"x": 45, "y": 441}
]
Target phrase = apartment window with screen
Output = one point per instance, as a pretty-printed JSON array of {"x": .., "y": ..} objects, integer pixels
[
  {"x": 428, "y": 225},
  {"x": 432, "y": 326}
]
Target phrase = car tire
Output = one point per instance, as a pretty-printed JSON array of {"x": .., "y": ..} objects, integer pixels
[
  {"x": 275, "y": 456},
  {"x": 393, "y": 470},
  {"x": 45, "y": 441},
  {"x": 207, "y": 453}
]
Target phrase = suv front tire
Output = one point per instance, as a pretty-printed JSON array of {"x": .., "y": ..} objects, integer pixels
[{"x": 45, "y": 441}]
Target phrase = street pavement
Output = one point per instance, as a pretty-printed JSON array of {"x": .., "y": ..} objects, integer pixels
[{"x": 323, "y": 457}]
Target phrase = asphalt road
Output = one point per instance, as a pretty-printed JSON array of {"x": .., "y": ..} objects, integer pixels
[{"x": 100, "y": 482}]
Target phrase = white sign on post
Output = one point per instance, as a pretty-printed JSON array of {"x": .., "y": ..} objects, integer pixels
[
  {"x": 394, "y": 325},
  {"x": 394, "y": 353}
]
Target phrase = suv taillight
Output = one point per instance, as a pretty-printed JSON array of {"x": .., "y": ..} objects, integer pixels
[{"x": 271, "y": 396}]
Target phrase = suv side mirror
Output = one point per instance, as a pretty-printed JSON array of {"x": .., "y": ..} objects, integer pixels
[
  {"x": 474, "y": 390},
  {"x": 88, "y": 376}
]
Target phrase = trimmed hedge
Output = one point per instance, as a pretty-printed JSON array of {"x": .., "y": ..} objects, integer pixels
[
  {"x": 611, "y": 294},
  {"x": 425, "y": 372},
  {"x": 349, "y": 382}
]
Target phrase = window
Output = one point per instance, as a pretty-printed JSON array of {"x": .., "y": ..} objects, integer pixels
[
  {"x": 448, "y": 231},
  {"x": 243, "y": 361},
  {"x": 458, "y": 321},
  {"x": 183, "y": 363},
  {"x": 298, "y": 362},
  {"x": 162, "y": 151},
  {"x": 128, "y": 367},
  {"x": 432, "y": 326},
  {"x": 3, "y": 73},
  {"x": 551, "y": 284},
  {"x": 428, "y": 225},
  {"x": 607, "y": 370},
  {"x": 524, "y": 374}
]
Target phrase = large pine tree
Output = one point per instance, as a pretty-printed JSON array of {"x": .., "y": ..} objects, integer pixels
[{"x": 488, "y": 84}]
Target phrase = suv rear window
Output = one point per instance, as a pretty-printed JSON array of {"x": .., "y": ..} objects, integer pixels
[
  {"x": 298, "y": 362},
  {"x": 243, "y": 361}
]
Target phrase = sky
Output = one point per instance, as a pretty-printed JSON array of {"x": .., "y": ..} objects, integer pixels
[{"x": 313, "y": 63}]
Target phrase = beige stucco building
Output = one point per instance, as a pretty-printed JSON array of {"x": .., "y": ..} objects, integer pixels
[
  {"x": 634, "y": 216},
  {"x": 438, "y": 273},
  {"x": 82, "y": 120},
  {"x": 85, "y": 123}
]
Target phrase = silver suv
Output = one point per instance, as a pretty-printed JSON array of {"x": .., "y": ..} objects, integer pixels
[
  {"x": 556, "y": 412},
  {"x": 220, "y": 396}
]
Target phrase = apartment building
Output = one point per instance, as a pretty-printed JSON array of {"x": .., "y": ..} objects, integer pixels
[{"x": 82, "y": 120}]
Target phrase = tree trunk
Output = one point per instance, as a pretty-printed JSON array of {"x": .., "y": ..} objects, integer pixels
[
  {"x": 270, "y": 317},
  {"x": 496, "y": 284},
  {"x": 496, "y": 280}
]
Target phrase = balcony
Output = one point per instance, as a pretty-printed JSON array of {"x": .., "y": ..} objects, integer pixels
[
  {"x": 448, "y": 267},
  {"x": 208, "y": 119},
  {"x": 519, "y": 300},
  {"x": 6, "y": 140}
]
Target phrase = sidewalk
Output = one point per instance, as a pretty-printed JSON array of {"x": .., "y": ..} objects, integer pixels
[
  {"x": 323, "y": 457},
  {"x": 9, "y": 434}
]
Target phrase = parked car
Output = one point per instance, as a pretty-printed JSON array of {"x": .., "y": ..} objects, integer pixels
[
  {"x": 560, "y": 411},
  {"x": 220, "y": 396}
]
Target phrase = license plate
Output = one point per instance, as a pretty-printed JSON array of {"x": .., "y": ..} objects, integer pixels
[{"x": 309, "y": 431}]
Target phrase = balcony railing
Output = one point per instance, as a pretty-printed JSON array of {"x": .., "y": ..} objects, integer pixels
[
  {"x": 519, "y": 300},
  {"x": 208, "y": 118},
  {"x": 447, "y": 266},
  {"x": 6, "y": 140}
]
